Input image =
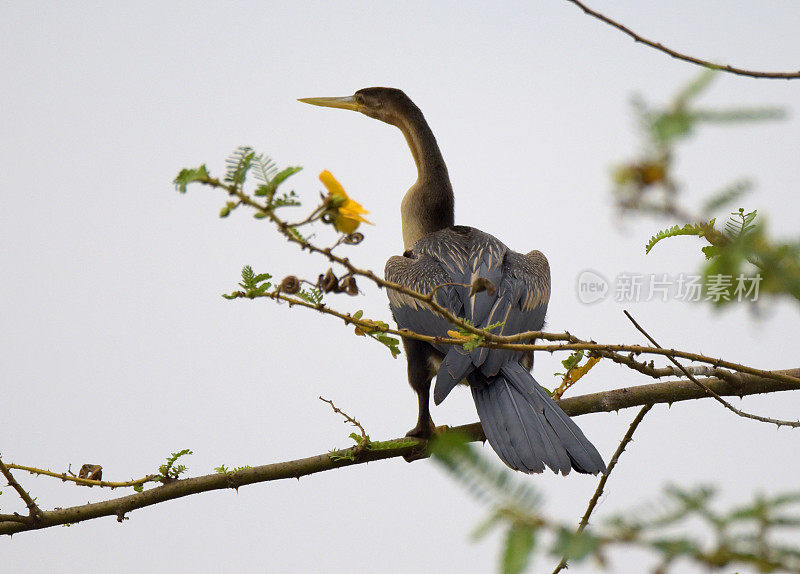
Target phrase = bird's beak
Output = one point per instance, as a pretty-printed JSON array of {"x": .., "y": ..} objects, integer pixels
[{"x": 345, "y": 103}]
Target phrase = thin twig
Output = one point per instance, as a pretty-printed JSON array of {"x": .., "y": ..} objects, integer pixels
[
  {"x": 612, "y": 352},
  {"x": 70, "y": 476},
  {"x": 490, "y": 339},
  {"x": 347, "y": 418},
  {"x": 723, "y": 402},
  {"x": 684, "y": 57},
  {"x": 33, "y": 511},
  {"x": 601, "y": 485}
]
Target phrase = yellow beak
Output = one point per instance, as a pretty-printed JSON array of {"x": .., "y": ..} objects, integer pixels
[{"x": 345, "y": 103}]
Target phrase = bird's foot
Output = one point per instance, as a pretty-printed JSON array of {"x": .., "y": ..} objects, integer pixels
[{"x": 424, "y": 430}]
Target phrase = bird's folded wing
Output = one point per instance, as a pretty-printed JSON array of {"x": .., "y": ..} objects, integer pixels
[{"x": 421, "y": 274}]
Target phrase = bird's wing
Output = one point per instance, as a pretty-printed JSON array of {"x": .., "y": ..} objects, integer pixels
[
  {"x": 460, "y": 255},
  {"x": 422, "y": 273},
  {"x": 521, "y": 305}
]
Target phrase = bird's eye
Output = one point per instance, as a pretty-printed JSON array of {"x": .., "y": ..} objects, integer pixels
[{"x": 360, "y": 99}]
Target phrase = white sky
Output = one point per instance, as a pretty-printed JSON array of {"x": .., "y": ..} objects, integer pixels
[{"x": 116, "y": 347}]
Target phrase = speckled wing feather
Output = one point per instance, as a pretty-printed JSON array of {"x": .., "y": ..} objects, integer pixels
[{"x": 421, "y": 273}]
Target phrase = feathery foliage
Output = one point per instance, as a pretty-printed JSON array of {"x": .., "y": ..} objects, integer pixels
[
  {"x": 238, "y": 164},
  {"x": 747, "y": 535},
  {"x": 647, "y": 183},
  {"x": 312, "y": 295},
  {"x": 187, "y": 176},
  {"x": 170, "y": 471},
  {"x": 252, "y": 283},
  {"x": 698, "y": 229}
]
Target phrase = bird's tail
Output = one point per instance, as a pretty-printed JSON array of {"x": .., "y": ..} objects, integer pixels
[{"x": 526, "y": 428}]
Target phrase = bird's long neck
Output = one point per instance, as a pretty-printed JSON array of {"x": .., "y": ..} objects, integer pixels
[{"x": 429, "y": 205}]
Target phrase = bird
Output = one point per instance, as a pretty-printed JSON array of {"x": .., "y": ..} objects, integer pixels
[{"x": 522, "y": 423}]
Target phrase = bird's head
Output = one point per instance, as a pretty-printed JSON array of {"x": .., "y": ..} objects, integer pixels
[{"x": 386, "y": 104}]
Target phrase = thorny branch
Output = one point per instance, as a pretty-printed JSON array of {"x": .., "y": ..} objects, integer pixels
[
  {"x": 34, "y": 512},
  {"x": 347, "y": 419},
  {"x": 727, "y": 379},
  {"x": 515, "y": 342},
  {"x": 710, "y": 392},
  {"x": 684, "y": 57},
  {"x": 67, "y": 477},
  {"x": 572, "y": 343},
  {"x": 666, "y": 392},
  {"x": 603, "y": 479}
]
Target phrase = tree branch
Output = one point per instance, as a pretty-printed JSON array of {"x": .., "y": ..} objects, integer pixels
[
  {"x": 34, "y": 513},
  {"x": 684, "y": 57},
  {"x": 64, "y": 477},
  {"x": 603, "y": 479},
  {"x": 667, "y": 392}
]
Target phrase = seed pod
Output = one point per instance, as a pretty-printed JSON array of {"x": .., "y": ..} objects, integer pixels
[
  {"x": 354, "y": 238},
  {"x": 290, "y": 285},
  {"x": 91, "y": 471},
  {"x": 349, "y": 285},
  {"x": 329, "y": 282}
]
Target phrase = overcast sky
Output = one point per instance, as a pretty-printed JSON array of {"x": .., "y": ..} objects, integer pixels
[{"x": 117, "y": 349}]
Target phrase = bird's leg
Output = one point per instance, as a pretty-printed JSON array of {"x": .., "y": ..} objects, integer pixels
[{"x": 419, "y": 377}]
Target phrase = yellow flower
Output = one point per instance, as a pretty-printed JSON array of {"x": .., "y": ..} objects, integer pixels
[{"x": 344, "y": 212}]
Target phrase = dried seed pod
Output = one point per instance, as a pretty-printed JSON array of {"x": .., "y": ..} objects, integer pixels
[
  {"x": 290, "y": 285},
  {"x": 348, "y": 285},
  {"x": 91, "y": 471},
  {"x": 329, "y": 282},
  {"x": 354, "y": 238}
]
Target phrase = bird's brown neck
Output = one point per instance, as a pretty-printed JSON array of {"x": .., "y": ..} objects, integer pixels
[{"x": 429, "y": 205}]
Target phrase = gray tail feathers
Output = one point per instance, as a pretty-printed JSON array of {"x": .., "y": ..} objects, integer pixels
[{"x": 526, "y": 428}]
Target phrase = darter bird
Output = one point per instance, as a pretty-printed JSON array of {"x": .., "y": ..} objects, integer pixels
[{"x": 526, "y": 427}]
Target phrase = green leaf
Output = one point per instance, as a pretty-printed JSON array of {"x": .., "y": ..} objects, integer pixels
[
  {"x": 495, "y": 485},
  {"x": 296, "y": 234},
  {"x": 672, "y": 125},
  {"x": 226, "y": 210},
  {"x": 169, "y": 470},
  {"x": 695, "y": 87},
  {"x": 711, "y": 251},
  {"x": 268, "y": 188},
  {"x": 392, "y": 343},
  {"x": 238, "y": 164},
  {"x": 519, "y": 544},
  {"x": 312, "y": 295},
  {"x": 286, "y": 200},
  {"x": 187, "y": 176},
  {"x": 740, "y": 223},
  {"x": 699, "y": 229},
  {"x": 739, "y": 115},
  {"x": 253, "y": 284},
  {"x": 574, "y": 546},
  {"x": 263, "y": 168}
]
